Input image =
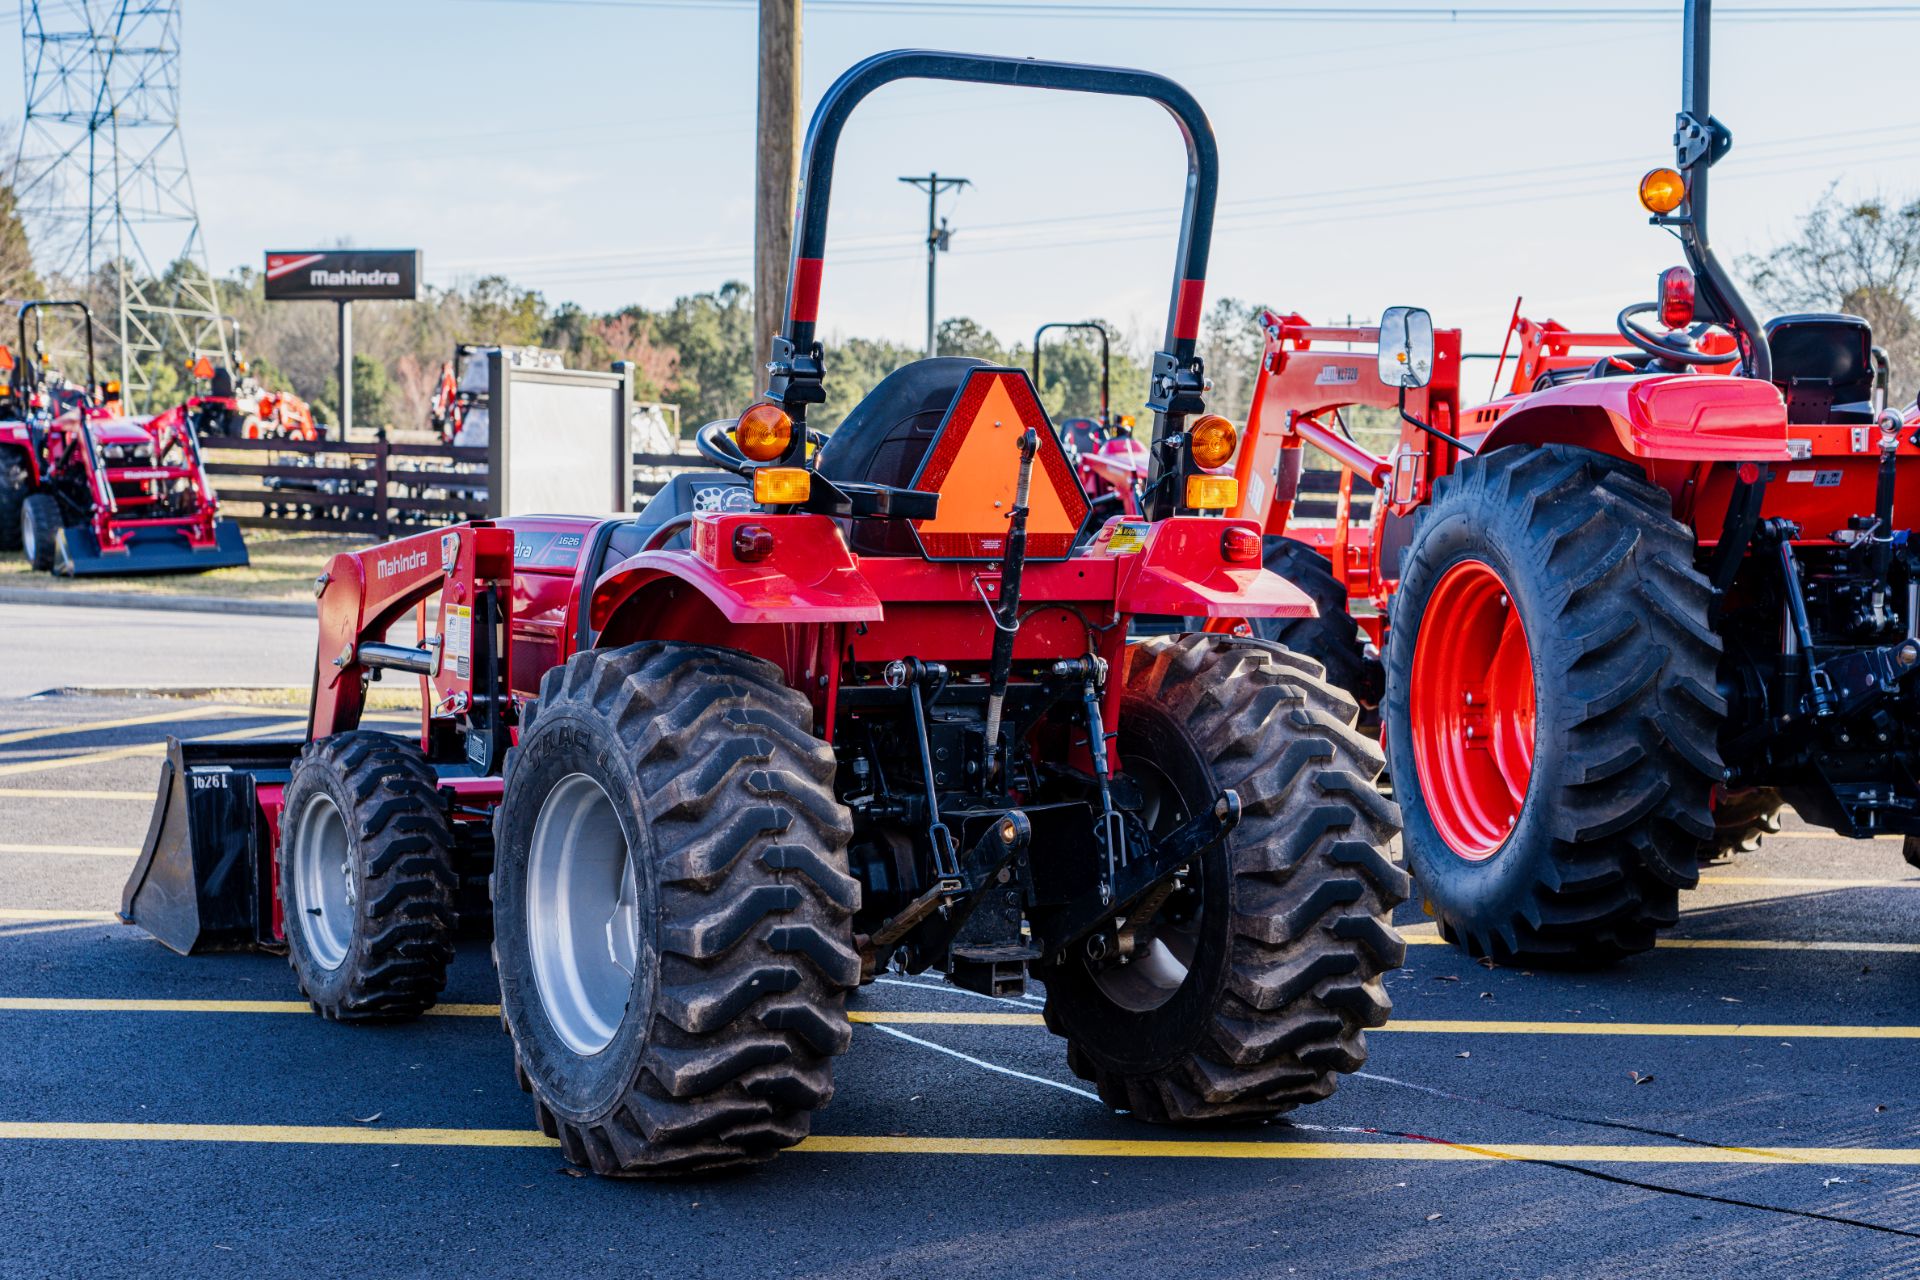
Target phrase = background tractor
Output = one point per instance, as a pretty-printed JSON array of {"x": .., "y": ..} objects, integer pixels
[
  {"x": 1628, "y": 608},
  {"x": 85, "y": 489},
  {"x": 725, "y": 762},
  {"x": 1111, "y": 464}
]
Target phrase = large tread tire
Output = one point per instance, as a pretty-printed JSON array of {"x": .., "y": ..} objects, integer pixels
[
  {"x": 1332, "y": 639},
  {"x": 1742, "y": 820},
  {"x": 16, "y": 482},
  {"x": 1616, "y": 815},
  {"x": 1295, "y": 933},
  {"x": 745, "y": 951},
  {"x": 400, "y": 848},
  {"x": 39, "y": 530}
]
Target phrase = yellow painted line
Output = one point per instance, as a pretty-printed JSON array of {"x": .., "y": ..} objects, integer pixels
[
  {"x": 86, "y": 1004},
  {"x": 48, "y": 913},
  {"x": 940, "y": 1019},
  {"x": 52, "y": 793},
  {"x": 1426, "y": 935},
  {"x": 96, "y": 850},
  {"x": 92, "y": 726},
  {"x": 1080, "y": 1148},
  {"x": 18, "y": 930},
  {"x": 144, "y": 749},
  {"x": 1764, "y": 1030},
  {"x": 1783, "y": 1031},
  {"x": 1808, "y": 882}
]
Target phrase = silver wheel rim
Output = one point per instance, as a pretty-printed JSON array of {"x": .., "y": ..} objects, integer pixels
[
  {"x": 583, "y": 914},
  {"x": 1163, "y": 948},
  {"x": 28, "y": 542},
  {"x": 323, "y": 889}
]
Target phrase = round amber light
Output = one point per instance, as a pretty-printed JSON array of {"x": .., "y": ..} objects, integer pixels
[
  {"x": 763, "y": 432},
  {"x": 1212, "y": 440},
  {"x": 1662, "y": 191}
]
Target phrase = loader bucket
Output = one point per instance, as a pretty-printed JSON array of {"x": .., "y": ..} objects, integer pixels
[
  {"x": 204, "y": 879},
  {"x": 77, "y": 553}
]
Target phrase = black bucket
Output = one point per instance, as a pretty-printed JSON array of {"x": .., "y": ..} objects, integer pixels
[
  {"x": 77, "y": 553},
  {"x": 204, "y": 879}
]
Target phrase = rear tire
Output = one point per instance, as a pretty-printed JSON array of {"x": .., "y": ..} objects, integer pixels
[
  {"x": 16, "y": 483},
  {"x": 39, "y": 526},
  {"x": 1333, "y": 639},
  {"x": 1287, "y": 922},
  {"x": 672, "y": 800},
  {"x": 366, "y": 878},
  {"x": 1581, "y": 860}
]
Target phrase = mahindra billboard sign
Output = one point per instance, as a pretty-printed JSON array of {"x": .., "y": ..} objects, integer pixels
[{"x": 343, "y": 275}]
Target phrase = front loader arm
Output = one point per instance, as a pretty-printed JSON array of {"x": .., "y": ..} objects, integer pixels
[{"x": 363, "y": 594}]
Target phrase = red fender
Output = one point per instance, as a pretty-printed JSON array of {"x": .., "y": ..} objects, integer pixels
[
  {"x": 808, "y": 576},
  {"x": 1683, "y": 416},
  {"x": 1183, "y": 570}
]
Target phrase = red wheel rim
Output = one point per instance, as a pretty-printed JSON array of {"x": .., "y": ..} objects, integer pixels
[{"x": 1472, "y": 710}]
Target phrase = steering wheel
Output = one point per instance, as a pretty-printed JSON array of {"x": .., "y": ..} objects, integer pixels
[
  {"x": 1666, "y": 346},
  {"x": 716, "y": 445}
]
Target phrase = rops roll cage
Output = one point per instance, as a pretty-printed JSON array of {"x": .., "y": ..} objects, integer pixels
[
  {"x": 797, "y": 370},
  {"x": 1699, "y": 141},
  {"x": 1106, "y": 361},
  {"x": 27, "y": 364}
]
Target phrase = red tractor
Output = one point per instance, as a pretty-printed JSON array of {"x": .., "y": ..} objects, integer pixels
[
  {"x": 87, "y": 490},
  {"x": 1628, "y": 608},
  {"x": 724, "y": 765}
]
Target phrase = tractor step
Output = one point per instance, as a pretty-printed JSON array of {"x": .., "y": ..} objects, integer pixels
[{"x": 993, "y": 971}]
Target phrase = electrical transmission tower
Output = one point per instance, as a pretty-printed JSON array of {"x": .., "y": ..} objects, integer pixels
[{"x": 102, "y": 178}]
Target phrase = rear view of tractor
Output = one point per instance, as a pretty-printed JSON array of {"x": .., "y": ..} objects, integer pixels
[
  {"x": 1629, "y": 609},
  {"x": 88, "y": 490},
  {"x": 882, "y": 712}
]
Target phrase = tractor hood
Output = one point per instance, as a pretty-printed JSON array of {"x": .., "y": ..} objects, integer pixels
[{"x": 1695, "y": 416}]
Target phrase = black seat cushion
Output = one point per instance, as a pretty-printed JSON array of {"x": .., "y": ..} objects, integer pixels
[
  {"x": 886, "y": 437},
  {"x": 1823, "y": 365}
]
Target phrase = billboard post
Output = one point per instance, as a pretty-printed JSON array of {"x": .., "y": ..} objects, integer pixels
[{"x": 342, "y": 276}]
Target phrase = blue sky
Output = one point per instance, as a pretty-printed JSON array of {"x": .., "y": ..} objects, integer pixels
[{"x": 602, "y": 152}]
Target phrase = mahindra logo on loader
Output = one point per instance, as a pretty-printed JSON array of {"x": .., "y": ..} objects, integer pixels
[{"x": 393, "y": 566}]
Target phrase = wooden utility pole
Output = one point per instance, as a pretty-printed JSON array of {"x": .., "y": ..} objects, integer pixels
[{"x": 776, "y": 172}]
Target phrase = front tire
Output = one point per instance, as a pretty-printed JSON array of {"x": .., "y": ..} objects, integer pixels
[
  {"x": 672, "y": 910},
  {"x": 39, "y": 526},
  {"x": 1277, "y": 949},
  {"x": 366, "y": 878},
  {"x": 1332, "y": 638},
  {"x": 1552, "y": 712}
]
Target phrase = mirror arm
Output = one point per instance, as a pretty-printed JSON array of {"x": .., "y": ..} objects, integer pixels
[{"x": 1434, "y": 431}]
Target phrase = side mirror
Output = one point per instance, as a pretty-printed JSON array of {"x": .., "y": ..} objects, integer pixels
[{"x": 1406, "y": 348}]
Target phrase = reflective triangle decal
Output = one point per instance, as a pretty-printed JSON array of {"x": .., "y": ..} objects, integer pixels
[{"x": 974, "y": 465}]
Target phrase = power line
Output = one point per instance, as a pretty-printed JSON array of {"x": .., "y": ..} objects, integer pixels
[{"x": 1558, "y": 15}]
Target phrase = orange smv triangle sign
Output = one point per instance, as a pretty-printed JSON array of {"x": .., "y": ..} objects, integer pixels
[{"x": 974, "y": 465}]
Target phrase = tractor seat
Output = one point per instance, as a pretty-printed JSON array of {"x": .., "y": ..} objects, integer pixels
[
  {"x": 1823, "y": 365},
  {"x": 886, "y": 437}
]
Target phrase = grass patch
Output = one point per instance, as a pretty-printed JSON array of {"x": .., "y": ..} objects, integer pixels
[{"x": 284, "y": 565}]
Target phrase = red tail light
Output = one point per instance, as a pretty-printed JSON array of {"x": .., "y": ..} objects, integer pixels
[
  {"x": 752, "y": 543},
  {"x": 1676, "y": 297},
  {"x": 1240, "y": 546}
]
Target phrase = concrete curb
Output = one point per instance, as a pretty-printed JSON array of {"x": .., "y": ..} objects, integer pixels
[{"x": 163, "y": 604}]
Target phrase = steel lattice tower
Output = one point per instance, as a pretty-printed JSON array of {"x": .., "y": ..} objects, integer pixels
[{"x": 102, "y": 176}]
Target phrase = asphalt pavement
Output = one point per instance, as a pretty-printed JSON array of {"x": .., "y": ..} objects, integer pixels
[
  {"x": 60, "y": 646},
  {"x": 1738, "y": 1102}
]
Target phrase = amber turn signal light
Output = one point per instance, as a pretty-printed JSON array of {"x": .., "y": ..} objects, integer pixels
[
  {"x": 1211, "y": 440},
  {"x": 1662, "y": 191},
  {"x": 781, "y": 486},
  {"x": 1212, "y": 493},
  {"x": 763, "y": 432}
]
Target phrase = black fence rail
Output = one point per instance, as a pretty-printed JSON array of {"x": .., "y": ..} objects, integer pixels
[
  {"x": 373, "y": 487},
  {"x": 652, "y": 472}
]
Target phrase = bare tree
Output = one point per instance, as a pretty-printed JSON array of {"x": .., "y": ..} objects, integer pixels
[{"x": 1861, "y": 258}]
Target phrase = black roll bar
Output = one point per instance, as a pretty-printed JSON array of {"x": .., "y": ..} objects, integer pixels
[
  {"x": 796, "y": 370},
  {"x": 1106, "y": 361},
  {"x": 1699, "y": 141},
  {"x": 86, "y": 322}
]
